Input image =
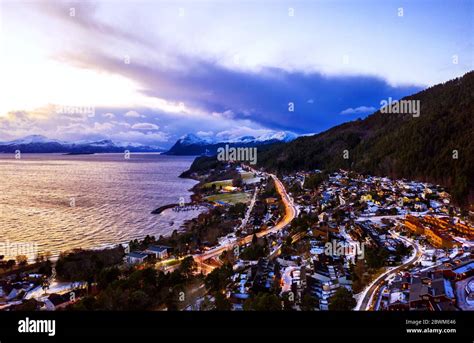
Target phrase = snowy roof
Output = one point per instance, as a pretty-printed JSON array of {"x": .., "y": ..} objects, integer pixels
[
  {"x": 470, "y": 286},
  {"x": 137, "y": 254},
  {"x": 448, "y": 288},
  {"x": 156, "y": 248},
  {"x": 464, "y": 268},
  {"x": 397, "y": 297}
]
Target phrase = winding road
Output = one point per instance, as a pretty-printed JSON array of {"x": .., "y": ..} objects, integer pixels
[
  {"x": 365, "y": 301},
  {"x": 290, "y": 214}
]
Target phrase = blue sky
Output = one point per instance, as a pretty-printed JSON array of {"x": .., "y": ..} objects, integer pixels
[{"x": 155, "y": 70}]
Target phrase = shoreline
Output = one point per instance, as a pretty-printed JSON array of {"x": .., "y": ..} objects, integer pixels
[
  {"x": 166, "y": 224},
  {"x": 177, "y": 224},
  {"x": 163, "y": 208}
]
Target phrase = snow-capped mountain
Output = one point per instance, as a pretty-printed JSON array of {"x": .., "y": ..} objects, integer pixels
[
  {"x": 32, "y": 139},
  {"x": 192, "y": 139},
  {"x": 192, "y": 144},
  {"x": 42, "y": 144},
  {"x": 243, "y": 139},
  {"x": 102, "y": 143},
  {"x": 281, "y": 136}
]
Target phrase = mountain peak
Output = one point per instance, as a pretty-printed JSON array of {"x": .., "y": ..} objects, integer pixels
[
  {"x": 192, "y": 144},
  {"x": 194, "y": 139},
  {"x": 191, "y": 138},
  {"x": 31, "y": 139},
  {"x": 282, "y": 136}
]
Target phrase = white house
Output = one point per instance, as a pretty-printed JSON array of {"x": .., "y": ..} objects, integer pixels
[
  {"x": 135, "y": 257},
  {"x": 158, "y": 251}
]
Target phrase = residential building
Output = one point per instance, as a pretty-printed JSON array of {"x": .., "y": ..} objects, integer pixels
[
  {"x": 159, "y": 252},
  {"x": 135, "y": 257}
]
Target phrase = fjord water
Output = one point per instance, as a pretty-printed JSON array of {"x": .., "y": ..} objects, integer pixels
[{"x": 60, "y": 202}]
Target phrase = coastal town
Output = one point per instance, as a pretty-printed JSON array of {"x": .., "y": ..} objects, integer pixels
[{"x": 310, "y": 241}]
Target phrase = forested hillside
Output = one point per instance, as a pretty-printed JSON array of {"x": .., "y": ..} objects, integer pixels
[{"x": 398, "y": 145}]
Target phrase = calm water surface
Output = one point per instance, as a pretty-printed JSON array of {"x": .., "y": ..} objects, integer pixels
[{"x": 60, "y": 202}]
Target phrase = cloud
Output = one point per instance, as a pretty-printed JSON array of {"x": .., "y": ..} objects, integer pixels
[
  {"x": 205, "y": 133},
  {"x": 224, "y": 100},
  {"x": 148, "y": 138},
  {"x": 359, "y": 110},
  {"x": 134, "y": 114},
  {"x": 262, "y": 97},
  {"x": 226, "y": 114},
  {"x": 53, "y": 124},
  {"x": 145, "y": 126},
  {"x": 209, "y": 89},
  {"x": 83, "y": 15}
]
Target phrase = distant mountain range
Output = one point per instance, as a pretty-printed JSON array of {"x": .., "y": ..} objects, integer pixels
[
  {"x": 192, "y": 144},
  {"x": 42, "y": 144}
]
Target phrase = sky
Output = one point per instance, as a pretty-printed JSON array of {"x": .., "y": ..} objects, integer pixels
[{"x": 149, "y": 72}]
